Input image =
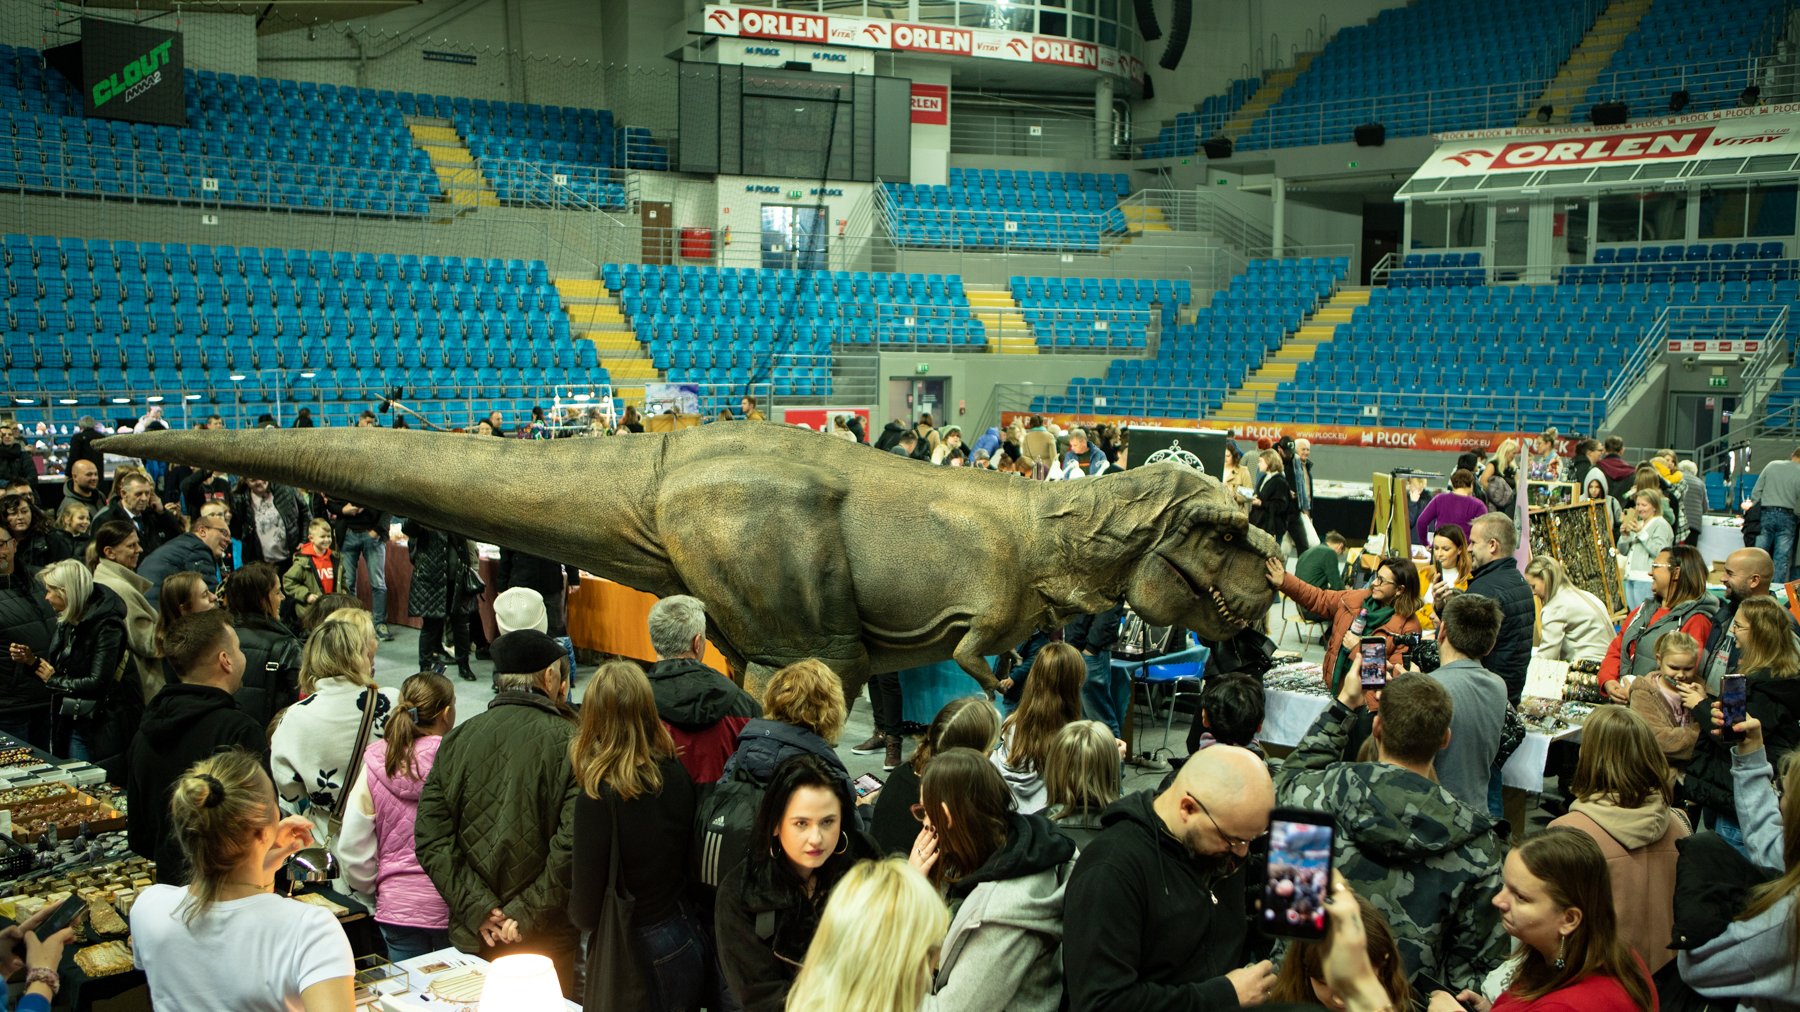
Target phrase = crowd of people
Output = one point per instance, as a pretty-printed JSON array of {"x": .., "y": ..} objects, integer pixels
[{"x": 676, "y": 842}]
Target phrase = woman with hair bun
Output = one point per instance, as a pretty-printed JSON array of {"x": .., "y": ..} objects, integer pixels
[
  {"x": 225, "y": 941},
  {"x": 376, "y": 846},
  {"x": 968, "y": 722}
]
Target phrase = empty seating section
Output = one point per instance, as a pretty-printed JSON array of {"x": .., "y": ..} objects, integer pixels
[
  {"x": 1197, "y": 364},
  {"x": 1011, "y": 209},
  {"x": 1438, "y": 269},
  {"x": 1183, "y": 136},
  {"x": 1676, "y": 262},
  {"x": 1521, "y": 357},
  {"x": 264, "y": 142},
  {"x": 722, "y": 327},
  {"x": 1782, "y": 409},
  {"x": 89, "y": 320},
  {"x": 522, "y": 149},
  {"x": 1427, "y": 67},
  {"x": 1688, "y": 45},
  {"x": 1083, "y": 313}
]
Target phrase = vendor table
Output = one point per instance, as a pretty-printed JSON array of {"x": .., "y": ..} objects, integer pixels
[
  {"x": 1720, "y": 536},
  {"x": 1347, "y": 507},
  {"x": 1289, "y": 714},
  {"x": 418, "y": 997},
  {"x": 611, "y": 618}
]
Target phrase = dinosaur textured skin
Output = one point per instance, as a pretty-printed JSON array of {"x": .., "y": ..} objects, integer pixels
[{"x": 800, "y": 545}]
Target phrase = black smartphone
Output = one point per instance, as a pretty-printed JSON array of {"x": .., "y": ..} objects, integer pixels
[
  {"x": 1733, "y": 706},
  {"x": 867, "y": 784},
  {"x": 1374, "y": 662},
  {"x": 64, "y": 915},
  {"x": 1297, "y": 881}
]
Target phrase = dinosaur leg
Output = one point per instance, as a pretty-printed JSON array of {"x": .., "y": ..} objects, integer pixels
[{"x": 971, "y": 656}]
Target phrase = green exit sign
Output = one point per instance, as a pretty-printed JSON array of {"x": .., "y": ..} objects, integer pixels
[{"x": 1715, "y": 381}]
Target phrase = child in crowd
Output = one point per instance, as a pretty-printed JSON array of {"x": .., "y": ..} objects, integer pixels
[{"x": 1666, "y": 699}]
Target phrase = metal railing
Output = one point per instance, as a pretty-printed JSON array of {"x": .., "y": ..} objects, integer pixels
[{"x": 1757, "y": 381}]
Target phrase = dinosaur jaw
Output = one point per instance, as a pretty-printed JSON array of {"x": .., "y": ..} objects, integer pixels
[{"x": 1210, "y": 612}]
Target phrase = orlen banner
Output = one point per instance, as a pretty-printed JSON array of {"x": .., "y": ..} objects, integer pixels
[
  {"x": 1676, "y": 139},
  {"x": 1266, "y": 433},
  {"x": 820, "y": 418},
  {"x": 931, "y": 103},
  {"x": 902, "y": 36},
  {"x": 132, "y": 73}
]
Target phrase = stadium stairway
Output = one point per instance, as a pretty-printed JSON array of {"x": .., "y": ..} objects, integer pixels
[
  {"x": 595, "y": 315},
  {"x": 463, "y": 183},
  {"x": 1003, "y": 318},
  {"x": 1273, "y": 85},
  {"x": 1302, "y": 345},
  {"x": 1582, "y": 70}
]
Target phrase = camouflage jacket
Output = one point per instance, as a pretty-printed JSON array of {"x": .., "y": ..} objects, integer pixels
[{"x": 1428, "y": 862}]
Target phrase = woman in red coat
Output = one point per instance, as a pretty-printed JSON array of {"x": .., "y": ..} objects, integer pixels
[{"x": 1391, "y": 599}]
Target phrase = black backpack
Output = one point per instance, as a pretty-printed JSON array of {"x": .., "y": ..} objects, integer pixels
[{"x": 724, "y": 822}]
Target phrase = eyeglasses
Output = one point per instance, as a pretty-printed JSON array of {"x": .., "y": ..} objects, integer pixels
[
  {"x": 1661, "y": 565},
  {"x": 1380, "y": 580},
  {"x": 1230, "y": 841}
]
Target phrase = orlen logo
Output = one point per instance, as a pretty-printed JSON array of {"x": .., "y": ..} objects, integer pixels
[
  {"x": 1065, "y": 53},
  {"x": 795, "y": 27},
  {"x": 1612, "y": 148},
  {"x": 920, "y": 39},
  {"x": 875, "y": 34},
  {"x": 1018, "y": 47},
  {"x": 928, "y": 103},
  {"x": 723, "y": 20},
  {"x": 1462, "y": 157}
]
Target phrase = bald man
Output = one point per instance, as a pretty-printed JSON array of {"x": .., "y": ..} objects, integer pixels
[
  {"x": 1749, "y": 572},
  {"x": 1161, "y": 894}
]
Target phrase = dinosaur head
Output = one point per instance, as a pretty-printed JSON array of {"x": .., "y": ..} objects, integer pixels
[{"x": 1204, "y": 570}]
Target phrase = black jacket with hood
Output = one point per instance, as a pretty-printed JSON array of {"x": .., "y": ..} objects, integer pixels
[
  {"x": 694, "y": 697},
  {"x": 1500, "y": 581},
  {"x": 1159, "y": 927},
  {"x": 271, "y": 667},
  {"x": 25, "y": 617},
  {"x": 184, "y": 724}
]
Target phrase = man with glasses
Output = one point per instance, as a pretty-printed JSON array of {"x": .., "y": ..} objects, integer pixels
[
  {"x": 197, "y": 551},
  {"x": 1428, "y": 862},
  {"x": 25, "y": 619},
  {"x": 1161, "y": 894}
]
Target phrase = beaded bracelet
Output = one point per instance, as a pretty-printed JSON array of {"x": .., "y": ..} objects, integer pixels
[{"x": 44, "y": 975}]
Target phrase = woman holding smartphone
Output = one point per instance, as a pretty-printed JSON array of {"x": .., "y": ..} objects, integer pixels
[
  {"x": 1003, "y": 875},
  {"x": 1557, "y": 902},
  {"x": 1771, "y": 671},
  {"x": 1755, "y": 961},
  {"x": 1450, "y": 566}
]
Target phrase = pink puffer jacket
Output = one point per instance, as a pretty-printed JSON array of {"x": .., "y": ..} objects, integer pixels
[{"x": 404, "y": 895}]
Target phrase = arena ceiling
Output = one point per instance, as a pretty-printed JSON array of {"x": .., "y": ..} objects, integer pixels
[{"x": 272, "y": 16}]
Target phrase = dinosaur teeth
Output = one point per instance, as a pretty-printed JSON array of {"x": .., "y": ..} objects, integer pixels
[{"x": 1226, "y": 610}]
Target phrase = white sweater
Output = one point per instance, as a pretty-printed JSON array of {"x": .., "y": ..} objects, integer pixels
[{"x": 310, "y": 753}]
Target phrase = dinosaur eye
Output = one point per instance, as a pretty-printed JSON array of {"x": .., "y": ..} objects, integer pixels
[{"x": 1229, "y": 536}]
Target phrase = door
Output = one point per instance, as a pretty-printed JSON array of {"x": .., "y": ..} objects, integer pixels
[
  {"x": 1512, "y": 240},
  {"x": 794, "y": 237},
  {"x": 911, "y": 396},
  {"x": 1699, "y": 419},
  {"x": 657, "y": 221}
]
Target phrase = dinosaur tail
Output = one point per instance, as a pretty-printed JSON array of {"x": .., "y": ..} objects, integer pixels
[{"x": 505, "y": 491}]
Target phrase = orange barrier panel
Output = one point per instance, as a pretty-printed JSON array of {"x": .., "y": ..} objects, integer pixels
[{"x": 611, "y": 618}]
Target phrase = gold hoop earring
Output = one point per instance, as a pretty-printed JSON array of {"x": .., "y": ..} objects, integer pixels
[{"x": 843, "y": 845}]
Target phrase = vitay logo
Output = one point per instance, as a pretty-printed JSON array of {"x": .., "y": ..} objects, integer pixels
[{"x": 135, "y": 77}]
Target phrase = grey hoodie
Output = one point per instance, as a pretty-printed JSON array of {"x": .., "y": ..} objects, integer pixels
[
  {"x": 1751, "y": 961},
  {"x": 1004, "y": 948}
]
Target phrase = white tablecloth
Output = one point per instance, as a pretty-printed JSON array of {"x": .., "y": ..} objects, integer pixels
[
  {"x": 1287, "y": 716},
  {"x": 1719, "y": 537}
]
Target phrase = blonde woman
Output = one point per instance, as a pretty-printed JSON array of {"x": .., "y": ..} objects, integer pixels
[
  {"x": 875, "y": 944},
  {"x": 635, "y": 796},
  {"x": 313, "y": 753},
  {"x": 1576, "y": 625},
  {"x": 95, "y": 699},
  {"x": 1081, "y": 778},
  {"x": 225, "y": 940},
  {"x": 803, "y": 714}
]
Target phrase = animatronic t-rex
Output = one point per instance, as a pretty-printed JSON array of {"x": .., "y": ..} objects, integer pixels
[{"x": 799, "y": 544}]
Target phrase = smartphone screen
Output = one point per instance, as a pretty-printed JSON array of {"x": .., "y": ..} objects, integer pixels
[
  {"x": 1374, "y": 662},
  {"x": 64, "y": 915},
  {"x": 1298, "y": 880},
  {"x": 1733, "y": 705},
  {"x": 867, "y": 784}
]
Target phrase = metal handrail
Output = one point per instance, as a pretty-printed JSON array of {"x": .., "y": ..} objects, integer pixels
[{"x": 1758, "y": 379}]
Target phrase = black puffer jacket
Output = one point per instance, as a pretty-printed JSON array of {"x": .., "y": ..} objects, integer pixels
[
  {"x": 25, "y": 617},
  {"x": 545, "y": 576},
  {"x": 1773, "y": 701},
  {"x": 39, "y": 548},
  {"x": 184, "y": 554},
  {"x": 271, "y": 667},
  {"x": 1500, "y": 582},
  {"x": 95, "y": 685},
  {"x": 763, "y": 745},
  {"x": 440, "y": 567},
  {"x": 17, "y": 465},
  {"x": 294, "y": 518}
]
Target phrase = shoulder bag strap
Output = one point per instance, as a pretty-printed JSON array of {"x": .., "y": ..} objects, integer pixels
[{"x": 371, "y": 696}]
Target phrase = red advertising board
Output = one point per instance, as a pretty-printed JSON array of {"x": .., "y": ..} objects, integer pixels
[
  {"x": 931, "y": 103},
  {"x": 1266, "y": 433},
  {"x": 1065, "y": 53},
  {"x": 754, "y": 24},
  {"x": 931, "y": 39}
]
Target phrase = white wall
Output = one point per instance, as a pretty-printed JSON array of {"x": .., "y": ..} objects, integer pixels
[{"x": 930, "y": 141}]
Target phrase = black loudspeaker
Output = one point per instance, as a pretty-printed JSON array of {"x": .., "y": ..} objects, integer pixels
[
  {"x": 1608, "y": 114},
  {"x": 1371, "y": 135},
  {"x": 1216, "y": 147},
  {"x": 1181, "y": 20},
  {"x": 796, "y": 65},
  {"x": 1146, "y": 19},
  {"x": 1149, "y": 87}
]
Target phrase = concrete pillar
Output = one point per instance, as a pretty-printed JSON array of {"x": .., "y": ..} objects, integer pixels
[
  {"x": 1278, "y": 226},
  {"x": 1103, "y": 116}
]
